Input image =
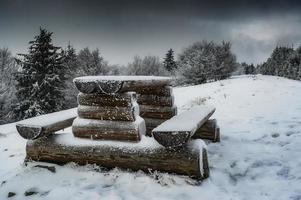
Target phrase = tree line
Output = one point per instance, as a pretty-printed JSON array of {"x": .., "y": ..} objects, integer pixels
[
  {"x": 40, "y": 81},
  {"x": 284, "y": 61}
]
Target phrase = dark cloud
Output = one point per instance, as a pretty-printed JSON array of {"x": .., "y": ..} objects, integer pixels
[{"x": 123, "y": 28}]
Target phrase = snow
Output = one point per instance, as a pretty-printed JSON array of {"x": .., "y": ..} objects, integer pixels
[
  {"x": 187, "y": 120},
  {"x": 51, "y": 118},
  {"x": 258, "y": 157}
]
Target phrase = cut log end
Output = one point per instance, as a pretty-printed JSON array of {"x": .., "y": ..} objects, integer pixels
[
  {"x": 170, "y": 139},
  {"x": 109, "y": 87},
  {"x": 85, "y": 87},
  {"x": 29, "y": 133},
  {"x": 209, "y": 131}
]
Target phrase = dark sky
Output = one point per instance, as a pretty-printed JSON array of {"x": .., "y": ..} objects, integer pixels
[{"x": 124, "y": 28}]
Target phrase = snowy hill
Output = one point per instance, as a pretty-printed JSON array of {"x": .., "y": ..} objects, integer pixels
[{"x": 258, "y": 157}]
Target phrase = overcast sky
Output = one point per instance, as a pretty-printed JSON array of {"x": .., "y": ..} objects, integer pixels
[{"x": 124, "y": 28}]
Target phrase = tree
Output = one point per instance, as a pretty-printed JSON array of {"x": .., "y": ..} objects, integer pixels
[
  {"x": 204, "y": 61},
  {"x": 7, "y": 85},
  {"x": 169, "y": 62},
  {"x": 149, "y": 65},
  {"x": 91, "y": 63},
  {"x": 284, "y": 61},
  {"x": 71, "y": 64},
  {"x": 41, "y": 77},
  {"x": 249, "y": 69}
]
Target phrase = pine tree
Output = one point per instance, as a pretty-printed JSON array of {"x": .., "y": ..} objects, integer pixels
[
  {"x": 71, "y": 65},
  {"x": 91, "y": 63},
  {"x": 40, "y": 80},
  {"x": 169, "y": 61}
]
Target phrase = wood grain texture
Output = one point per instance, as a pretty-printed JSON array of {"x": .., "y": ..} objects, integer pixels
[
  {"x": 155, "y": 100},
  {"x": 121, "y": 100},
  {"x": 178, "y": 130},
  {"x": 208, "y": 131},
  {"x": 109, "y": 130},
  {"x": 115, "y": 84},
  {"x": 47, "y": 124},
  {"x": 157, "y": 112},
  {"x": 109, "y": 113},
  {"x": 56, "y": 149}
]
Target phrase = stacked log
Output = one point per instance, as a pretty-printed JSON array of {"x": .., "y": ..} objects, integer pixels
[
  {"x": 108, "y": 117},
  {"x": 156, "y": 106}
]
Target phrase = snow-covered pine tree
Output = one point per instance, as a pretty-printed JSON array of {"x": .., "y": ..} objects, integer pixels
[
  {"x": 7, "y": 85},
  {"x": 169, "y": 61},
  {"x": 71, "y": 65},
  {"x": 91, "y": 63},
  {"x": 206, "y": 61},
  {"x": 40, "y": 79}
]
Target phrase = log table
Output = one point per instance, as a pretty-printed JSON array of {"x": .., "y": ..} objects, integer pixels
[
  {"x": 109, "y": 129},
  {"x": 153, "y": 94}
]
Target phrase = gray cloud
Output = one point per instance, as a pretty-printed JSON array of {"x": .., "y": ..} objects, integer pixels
[{"x": 123, "y": 28}]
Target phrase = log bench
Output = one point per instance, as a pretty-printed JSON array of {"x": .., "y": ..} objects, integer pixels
[
  {"x": 179, "y": 129},
  {"x": 47, "y": 124}
]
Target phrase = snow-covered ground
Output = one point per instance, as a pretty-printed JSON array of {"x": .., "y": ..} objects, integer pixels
[{"x": 258, "y": 157}]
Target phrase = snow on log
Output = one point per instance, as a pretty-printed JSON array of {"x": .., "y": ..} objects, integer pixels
[
  {"x": 44, "y": 125},
  {"x": 109, "y": 113},
  {"x": 120, "y": 100},
  {"x": 118, "y": 84},
  {"x": 146, "y": 155},
  {"x": 155, "y": 100},
  {"x": 109, "y": 130},
  {"x": 158, "y": 112},
  {"x": 178, "y": 130},
  {"x": 209, "y": 131}
]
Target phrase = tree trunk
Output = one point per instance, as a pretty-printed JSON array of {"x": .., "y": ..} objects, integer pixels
[
  {"x": 44, "y": 125},
  {"x": 109, "y": 130},
  {"x": 109, "y": 113},
  {"x": 190, "y": 160}
]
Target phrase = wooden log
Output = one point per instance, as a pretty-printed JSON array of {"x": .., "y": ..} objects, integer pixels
[
  {"x": 87, "y": 87},
  {"x": 209, "y": 131},
  {"x": 109, "y": 113},
  {"x": 109, "y": 130},
  {"x": 157, "y": 112},
  {"x": 178, "y": 130},
  {"x": 151, "y": 123},
  {"x": 118, "y": 84},
  {"x": 159, "y": 91},
  {"x": 47, "y": 124},
  {"x": 121, "y": 100},
  {"x": 62, "y": 148},
  {"x": 155, "y": 100}
]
